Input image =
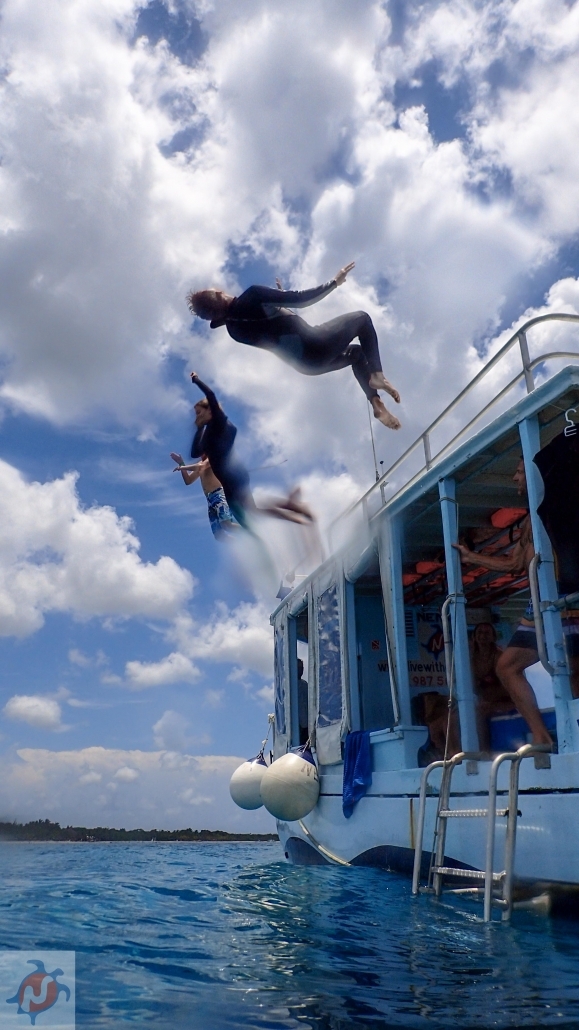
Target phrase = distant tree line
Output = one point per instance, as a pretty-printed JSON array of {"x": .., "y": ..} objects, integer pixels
[{"x": 43, "y": 829}]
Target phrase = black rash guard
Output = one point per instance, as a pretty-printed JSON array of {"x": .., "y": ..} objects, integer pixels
[
  {"x": 260, "y": 305},
  {"x": 260, "y": 318},
  {"x": 558, "y": 464},
  {"x": 216, "y": 439}
]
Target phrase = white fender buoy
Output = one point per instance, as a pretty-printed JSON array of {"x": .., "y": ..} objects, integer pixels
[
  {"x": 290, "y": 787},
  {"x": 245, "y": 783}
]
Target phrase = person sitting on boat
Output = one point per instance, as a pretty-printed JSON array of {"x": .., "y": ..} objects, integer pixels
[
  {"x": 492, "y": 698},
  {"x": 221, "y": 519},
  {"x": 443, "y": 727},
  {"x": 521, "y": 651},
  {"x": 214, "y": 437},
  {"x": 260, "y": 318}
]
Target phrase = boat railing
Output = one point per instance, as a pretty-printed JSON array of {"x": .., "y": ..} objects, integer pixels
[{"x": 374, "y": 499}]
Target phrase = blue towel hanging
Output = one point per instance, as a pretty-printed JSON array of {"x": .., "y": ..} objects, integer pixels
[{"x": 357, "y": 769}]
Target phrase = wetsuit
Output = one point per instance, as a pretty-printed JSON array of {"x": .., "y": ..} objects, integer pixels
[
  {"x": 215, "y": 440},
  {"x": 558, "y": 464},
  {"x": 260, "y": 318}
]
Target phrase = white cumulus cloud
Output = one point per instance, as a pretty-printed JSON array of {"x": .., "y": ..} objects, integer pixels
[
  {"x": 57, "y": 555},
  {"x": 169, "y": 731},
  {"x": 175, "y": 668},
  {"x": 41, "y": 712}
]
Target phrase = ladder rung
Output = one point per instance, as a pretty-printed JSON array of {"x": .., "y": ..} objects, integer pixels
[
  {"x": 469, "y": 874},
  {"x": 476, "y": 892},
  {"x": 469, "y": 813}
]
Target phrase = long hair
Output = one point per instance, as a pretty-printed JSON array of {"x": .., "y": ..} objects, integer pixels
[{"x": 475, "y": 643}]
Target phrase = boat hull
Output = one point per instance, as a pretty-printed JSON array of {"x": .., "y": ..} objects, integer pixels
[{"x": 381, "y": 831}]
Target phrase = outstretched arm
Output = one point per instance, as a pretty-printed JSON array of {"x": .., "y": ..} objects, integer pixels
[
  {"x": 217, "y": 412},
  {"x": 300, "y": 298},
  {"x": 191, "y": 473},
  {"x": 514, "y": 562}
]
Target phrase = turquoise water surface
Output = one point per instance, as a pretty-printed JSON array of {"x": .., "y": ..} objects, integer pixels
[{"x": 229, "y": 935}]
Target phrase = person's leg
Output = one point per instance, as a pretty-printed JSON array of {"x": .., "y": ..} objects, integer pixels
[
  {"x": 290, "y": 508},
  {"x": 221, "y": 517},
  {"x": 511, "y": 672},
  {"x": 356, "y": 357},
  {"x": 327, "y": 348}
]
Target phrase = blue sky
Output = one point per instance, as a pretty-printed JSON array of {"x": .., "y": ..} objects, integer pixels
[{"x": 150, "y": 148}]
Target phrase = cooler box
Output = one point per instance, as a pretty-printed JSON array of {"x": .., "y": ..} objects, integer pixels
[{"x": 510, "y": 732}]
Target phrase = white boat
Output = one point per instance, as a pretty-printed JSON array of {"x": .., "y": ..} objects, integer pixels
[{"x": 370, "y": 633}]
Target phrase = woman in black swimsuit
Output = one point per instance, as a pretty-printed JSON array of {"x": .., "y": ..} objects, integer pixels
[
  {"x": 215, "y": 435},
  {"x": 260, "y": 318}
]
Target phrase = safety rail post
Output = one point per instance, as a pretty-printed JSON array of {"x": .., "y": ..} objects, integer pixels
[
  {"x": 463, "y": 684},
  {"x": 511, "y": 838},
  {"x": 515, "y": 758},
  {"x": 531, "y": 445},
  {"x": 420, "y": 826},
  {"x": 440, "y": 825},
  {"x": 526, "y": 359},
  {"x": 427, "y": 450},
  {"x": 491, "y": 828},
  {"x": 390, "y": 560},
  {"x": 538, "y": 615},
  {"x": 447, "y": 637}
]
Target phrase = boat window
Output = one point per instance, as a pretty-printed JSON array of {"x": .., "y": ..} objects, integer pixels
[
  {"x": 279, "y": 677},
  {"x": 298, "y": 638},
  {"x": 329, "y": 661},
  {"x": 425, "y": 589},
  {"x": 375, "y": 695},
  {"x": 490, "y": 514}
]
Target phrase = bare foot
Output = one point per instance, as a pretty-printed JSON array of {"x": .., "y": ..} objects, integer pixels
[
  {"x": 291, "y": 508},
  {"x": 383, "y": 415},
  {"x": 177, "y": 458},
  {"x": 378, "y": 381},
  {"x": 295, "y": 503}
]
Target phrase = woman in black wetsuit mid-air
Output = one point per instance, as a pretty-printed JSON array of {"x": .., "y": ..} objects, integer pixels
[
  {"x": 260, "y": 318},
  {"x": 214, "y": 437}
]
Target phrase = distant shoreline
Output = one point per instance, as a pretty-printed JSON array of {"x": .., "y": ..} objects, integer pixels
[{"x": 42, "y": 830}]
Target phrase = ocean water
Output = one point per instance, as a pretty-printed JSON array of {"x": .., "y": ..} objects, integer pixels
[{"x": 230, "y": 936}]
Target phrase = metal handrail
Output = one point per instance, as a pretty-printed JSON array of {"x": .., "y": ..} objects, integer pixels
[
  {"x": 515, "y": 758},
  {"x": 490, "y": 877},
  {"x": 561, "y": 603},
  {"x": 538, "y": 618},
  {"x": 421, "y": 817},
  {"x": 527, "y": 373}
]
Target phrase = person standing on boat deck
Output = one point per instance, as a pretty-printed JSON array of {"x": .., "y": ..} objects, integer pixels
[
  {"x": 260, "y": 318},
  {"x": 214, "y": 437},
  {"x": 521, "y": 651},
  {"x": 221, "y": 519}
]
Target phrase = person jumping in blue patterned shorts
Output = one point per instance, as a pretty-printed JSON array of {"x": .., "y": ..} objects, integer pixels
[
  {"x": 214, "y": 439},
  {"x": 221, "y": 519}
]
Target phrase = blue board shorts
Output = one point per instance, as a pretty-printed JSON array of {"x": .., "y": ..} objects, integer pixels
[
  {"x": 525, "y": 636},
  {"x": 219, "y": 512}
]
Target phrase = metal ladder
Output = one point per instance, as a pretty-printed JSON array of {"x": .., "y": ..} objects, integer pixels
[{"x": 492, "y": 881}]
